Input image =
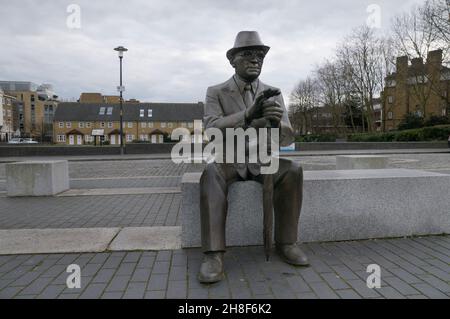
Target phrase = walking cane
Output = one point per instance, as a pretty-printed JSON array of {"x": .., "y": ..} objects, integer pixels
[{"x": 268, "y": 188}]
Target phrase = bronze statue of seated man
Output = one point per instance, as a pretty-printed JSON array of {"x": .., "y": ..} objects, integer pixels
[{"x": 238, "y": 103}]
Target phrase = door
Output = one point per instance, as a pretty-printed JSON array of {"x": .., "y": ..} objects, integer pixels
[
  {"x": 71, "y": 140},
  {"x": 161, "y": 138},
  {"x": 113, "y": 139},
  {"x": 153, "y": 138},
  {"x": 79, "y": 139}
]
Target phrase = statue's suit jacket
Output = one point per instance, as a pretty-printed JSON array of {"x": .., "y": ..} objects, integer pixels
[{"x": 225, "y": 108}]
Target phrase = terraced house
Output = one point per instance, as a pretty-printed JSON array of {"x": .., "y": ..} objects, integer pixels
[{"x": 80, "y": 123}]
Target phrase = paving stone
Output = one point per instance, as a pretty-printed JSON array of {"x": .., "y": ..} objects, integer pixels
[
  {"x": 158, "y": 282},
  {"x": 177, "y": 290},
  {"x": 118, "y": 283},
  {"x": 112, "y": 295},
  {"x": 436, "y": 283},
  {"x": 348, "y": 294},
  {"x": 93, "y": 291},
  {"x": 361, "y": 288},
  {"x": 429, "y": 291},
  {"x": 198, "y": 293},
  {"x": 390, "y": 293},
  {"x": 302, "y": 295},
  {"x": 135, "y": 290},
  {"x": 401, "y": 286},
  {"x": 141, "y": 275},
  {"x": 309, "y": 275},
  {"x": 51, "y": 292},
  {"x": 334, "y": 281},
  {"x": 323, "y": 291},
  {"x": 9, "y": 292},
  {"x": 161, "y": 267},
  {"x": 155, "y": 294},
  {"x": 126, "y": 269},
  {"x": 405, "y": 276},
  {"x": 104, "y": 275}
]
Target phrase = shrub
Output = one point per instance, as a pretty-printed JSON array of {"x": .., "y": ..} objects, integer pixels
[{"x": 411, "y": 121}]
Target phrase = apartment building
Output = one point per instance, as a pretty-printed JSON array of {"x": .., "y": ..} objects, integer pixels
[
  {"x": 79, "y": 123},
  {"x": 416, "y": 87},
  {"x": 38, "y": 105}
]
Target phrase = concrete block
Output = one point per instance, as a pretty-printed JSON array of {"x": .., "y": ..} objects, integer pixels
[
  {"x": 337, "y": 205},
  {"x": 361, "y": 162},
  {"x": 37, "y": 178}
]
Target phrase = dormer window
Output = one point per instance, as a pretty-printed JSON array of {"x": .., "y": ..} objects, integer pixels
[
  {"x": 102, "y": 110},
  {"x": 150, "y": 113},
  {"x": 109, "y": 110},
  {"x": 141, "y": 113}
]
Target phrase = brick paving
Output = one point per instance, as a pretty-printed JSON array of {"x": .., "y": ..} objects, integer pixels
[
  {"x": 90, "y": 211},
  {"x": 337, "y": 271}
]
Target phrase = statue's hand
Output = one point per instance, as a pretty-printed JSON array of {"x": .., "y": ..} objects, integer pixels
[
  {"x": 255, "y": 111},
  {"x": 273, "y": 112}
]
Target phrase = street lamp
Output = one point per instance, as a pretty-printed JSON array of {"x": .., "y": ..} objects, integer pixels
[{"x": 120, "y": 51}]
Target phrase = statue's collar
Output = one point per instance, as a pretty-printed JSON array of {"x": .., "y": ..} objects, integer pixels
[{"x": 241, "y": 84}]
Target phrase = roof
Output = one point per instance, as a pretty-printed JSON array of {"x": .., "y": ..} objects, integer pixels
[{"x": 176, "y": 112}]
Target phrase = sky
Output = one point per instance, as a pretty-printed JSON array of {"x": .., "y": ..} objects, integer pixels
[{"x": 176, "y": 48}]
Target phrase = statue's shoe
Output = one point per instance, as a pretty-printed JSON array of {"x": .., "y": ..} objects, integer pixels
[
  {"x": 292, "y": 254},
  {"x": 211, "y": 269}
]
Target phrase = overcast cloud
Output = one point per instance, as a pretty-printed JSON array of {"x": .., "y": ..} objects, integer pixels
[{"x": 176, "y": 48}]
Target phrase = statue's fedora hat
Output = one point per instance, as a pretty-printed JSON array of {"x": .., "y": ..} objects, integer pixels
[{"x": 247, "y": 39}]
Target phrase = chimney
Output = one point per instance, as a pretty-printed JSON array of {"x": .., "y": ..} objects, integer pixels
[
  {"x": 435, "y": 57},
  {"x": 402, "y": 66},
  {"x": 417, "y": 63}
]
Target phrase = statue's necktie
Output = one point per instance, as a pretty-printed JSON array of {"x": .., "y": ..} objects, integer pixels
[{"x": 248, "y": 95}]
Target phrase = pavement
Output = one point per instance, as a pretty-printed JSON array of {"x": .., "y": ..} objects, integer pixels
[{"x": 118, "y": 206}]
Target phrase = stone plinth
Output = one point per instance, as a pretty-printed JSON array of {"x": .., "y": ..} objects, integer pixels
[
  {"x": 337, "y": 205},
  {"x": 37, "y": 178},
  {"x": 361, "y": 162}
]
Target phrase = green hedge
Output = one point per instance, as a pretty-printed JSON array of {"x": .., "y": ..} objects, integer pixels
[{"x": 432, "y": 133}]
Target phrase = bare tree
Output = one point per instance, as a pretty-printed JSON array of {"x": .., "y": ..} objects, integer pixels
[
  {"x": 361, "y": 56},
  {"x": 303, "y": 99}
]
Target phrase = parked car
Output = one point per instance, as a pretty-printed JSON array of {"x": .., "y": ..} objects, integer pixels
[{"x": 19, "y": 140}]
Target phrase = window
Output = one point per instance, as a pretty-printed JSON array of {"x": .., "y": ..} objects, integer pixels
[
  {"x": 88, "y": 138},
  {"x": 150, "y": 113},
  {"x": 102, "y": 111},
  {"x": 141, "y": 113},
  {"x": 130, "y": 124},
  {"x": 143, "y": 124},
  {"x": 32, "y": 97},
  {"x": 444, "y": 112},
  {"x": 390, "y": 99},
  {"x": 68, "y": 124},
  {"x": 61, "y": 138},
  {"x": 61, "y": 124},
  {"x": 88, "y": 124},
  {"x": 110, "y": 124},
  {"x": 143, "y": 137},
  {"x": 130, "y": 137},
  {"x": 190, "y": 125},
  {"x": 109, "y": 110},
  {"x": 163, "y": 124},
  {"x": 102, "y": 124},
  {"x": 183, "y": 124},
  {"x": 150, "y": 124},
  {"x": 390, "y": 115},
  {"x": 81, "y": 124},
  {"x": 170, "y": 125}
]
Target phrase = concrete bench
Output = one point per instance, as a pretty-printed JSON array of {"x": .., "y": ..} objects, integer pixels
[
  {"x": 337, "y": 205},
  {"x": 37, "y": 178},
  {"x": 361, "y": 162}
]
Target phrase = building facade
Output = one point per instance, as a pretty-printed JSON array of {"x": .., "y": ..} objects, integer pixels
[
  {"x": 416, "y": 87},
  {"x": 8, "y": 125},
  {"x": 89, "y": 123},
  {"x": 37, "y": 107}
]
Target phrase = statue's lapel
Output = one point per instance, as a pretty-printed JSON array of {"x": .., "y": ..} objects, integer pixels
[{"x": 235, "y": 95}]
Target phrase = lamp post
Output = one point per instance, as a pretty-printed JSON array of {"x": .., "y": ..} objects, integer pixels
[{"x": 120, "y": 51}]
